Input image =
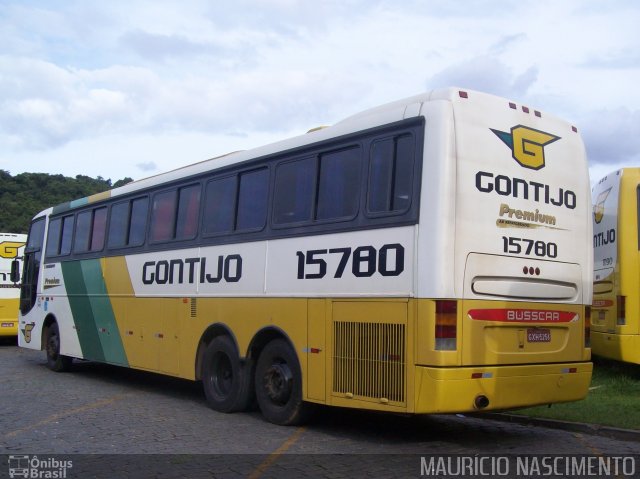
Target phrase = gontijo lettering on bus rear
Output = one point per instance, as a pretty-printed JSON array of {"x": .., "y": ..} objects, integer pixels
[{"x": 503, "y": 185}]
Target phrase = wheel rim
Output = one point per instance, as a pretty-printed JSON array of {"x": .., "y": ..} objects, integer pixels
[
  {"x": 222, "y": 375},
  {"x": 278, "y": 383}
]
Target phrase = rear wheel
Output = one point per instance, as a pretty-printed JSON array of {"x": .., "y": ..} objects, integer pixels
[
  {"x": 55, "y": 361},
  {"x": 226, "y": 382},
  {"x": 279, "y": 385}
]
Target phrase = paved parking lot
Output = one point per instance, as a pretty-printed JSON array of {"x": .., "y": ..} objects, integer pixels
[{"x": 116, "y": 422}]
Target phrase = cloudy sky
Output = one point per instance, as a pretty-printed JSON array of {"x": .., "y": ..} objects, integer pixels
[{"x": 136, "y": 87}]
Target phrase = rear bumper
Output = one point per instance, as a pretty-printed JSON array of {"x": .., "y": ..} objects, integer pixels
[
  {"x": 451, "y": 390},
  {"x": 621, "y": 347}
]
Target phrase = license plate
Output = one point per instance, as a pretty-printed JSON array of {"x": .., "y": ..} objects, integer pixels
[{"x": 538, "y": 335}]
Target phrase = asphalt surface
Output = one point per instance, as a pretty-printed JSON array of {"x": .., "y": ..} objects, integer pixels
[{"x": 115, "y": 422}]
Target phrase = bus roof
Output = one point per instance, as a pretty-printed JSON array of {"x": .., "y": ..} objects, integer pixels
[{"x": 383, "y": 114}]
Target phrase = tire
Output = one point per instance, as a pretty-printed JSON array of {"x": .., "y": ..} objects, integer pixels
[
  {"x": 55, "y": 361},
  {"x": 227, "y": 383},
  {"x": 278, "y": 385}
]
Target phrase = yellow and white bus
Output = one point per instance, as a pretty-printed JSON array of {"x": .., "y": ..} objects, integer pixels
[
  {"x": 616, "y": 288},
  {"x": 431, "y": 255},
  {"x": 11, "y": 250}
]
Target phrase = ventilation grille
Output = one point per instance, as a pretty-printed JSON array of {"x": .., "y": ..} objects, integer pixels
[
  {"x": 194, "y": 308},
  {"x": 369, "y": 361}
]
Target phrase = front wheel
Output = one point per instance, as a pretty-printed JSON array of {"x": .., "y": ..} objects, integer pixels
[
  {"x": 55, "y": 361},
  {"x": 279, "y": 385}
]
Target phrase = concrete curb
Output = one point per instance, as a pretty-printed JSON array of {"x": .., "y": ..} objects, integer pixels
[{"x": 593, "y": 429}]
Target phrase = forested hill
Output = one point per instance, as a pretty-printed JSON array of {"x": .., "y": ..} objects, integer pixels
[{"x": 24, "y": 195}]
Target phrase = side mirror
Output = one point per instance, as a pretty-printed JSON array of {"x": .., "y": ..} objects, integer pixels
[{"x": 15, "y": 271}]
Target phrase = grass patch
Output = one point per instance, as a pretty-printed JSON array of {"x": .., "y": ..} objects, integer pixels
[{"x": 613, "y": 399}]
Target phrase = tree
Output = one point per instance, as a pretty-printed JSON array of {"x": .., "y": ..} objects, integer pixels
[{"x": 24, "y": 195}]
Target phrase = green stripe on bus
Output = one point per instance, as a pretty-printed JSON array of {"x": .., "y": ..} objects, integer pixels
[
  {"x": 92, "y": 312},
  {"x": 62, "y": 207},
  {"x": 81, "y": 311},
  {"x": 103, "y": 315}
]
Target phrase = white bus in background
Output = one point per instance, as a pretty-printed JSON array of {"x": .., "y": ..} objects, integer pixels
[{"x": 431, "y": 255}]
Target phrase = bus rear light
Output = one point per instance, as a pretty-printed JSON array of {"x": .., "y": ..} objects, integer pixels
[
  {"x": 525, "y": 109},
  {"x": 622, "y": 311},
  {"x": 446, "y": 325},
  {"x": 574, "y": 129},
  {"x": 537, "y": 113},
  {"x": 569, "y": 370},
  {"x": 463, "y": 94},
  {"x": 587, "y": 326},
  {"x": 512, "y": 105}
]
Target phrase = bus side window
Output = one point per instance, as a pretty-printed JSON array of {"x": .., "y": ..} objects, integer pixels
[
  {"x": 391, "y": 175},
  {"x": 138, "y": 221},
  {"x": 53, "y": 237},
  {"x": 98, "y": 229},
  {"x": 60, "y": 236},
  {"x": 83, "y": 230},
  {"x": 188, "y": 210},
  {"x": 219, "y": 205},
  {"x": 128, "y": 223},
  {"x": 118, "y": 225},
  {"x": 294, "y": 191},
  {"x": 252, "y": 200},
  {"x": 163, "y": 215},
  {"x": 339, "y": 184},
  {"x": 67, "y": 232}
]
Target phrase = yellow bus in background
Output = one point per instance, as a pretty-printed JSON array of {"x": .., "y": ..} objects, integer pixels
[
  {"x": 431, "y": 255},
  {"x": 616, "y": 289},
  {"x": 11, "y": 250}
]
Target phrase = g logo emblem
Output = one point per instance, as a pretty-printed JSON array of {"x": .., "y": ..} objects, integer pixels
[
  {"x": 526, "y": 145},
  {"x": 598, "y": 208},
  {"x": 9, "y": 249}
]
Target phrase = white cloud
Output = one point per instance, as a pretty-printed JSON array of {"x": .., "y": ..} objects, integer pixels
[
  {"x": 115, "y": 75},
  {"x": 612, "y": 136},
  {"x": 487, "y": 74}
]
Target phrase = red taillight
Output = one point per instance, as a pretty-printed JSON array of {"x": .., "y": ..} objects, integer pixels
[
  {"x": 463, "y": 94},
  {"x": 446, "y": 325},
  {"x": 622, "y": 311},
  {"x": 587, "y": 326}
]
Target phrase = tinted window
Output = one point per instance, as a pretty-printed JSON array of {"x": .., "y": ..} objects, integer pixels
[
  {"x": 98, "y": 229},
  {"x": 339, "y": 184},
  {"x": 83, "y": 230},
  {"x": 128, "y": 223},
  {"x": 391, "y": 174},
  {"x": 119, "y": 225},
  {"x": 219, "y": 206},
  {"x": 380, "y": 175},
  {"x": 36, "y": 235},
  {"x": 188, "y": 209},
  {"x": 67, "y": 232},
  {"x": 138, "y": 223},
  {"x": 403, "y": 175},
  {"x": 294, "y": 191},
  {"x": 163, "y": 215},
  {"x": 252, "y": 199},
  {"x": 53, "y": 237}
]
